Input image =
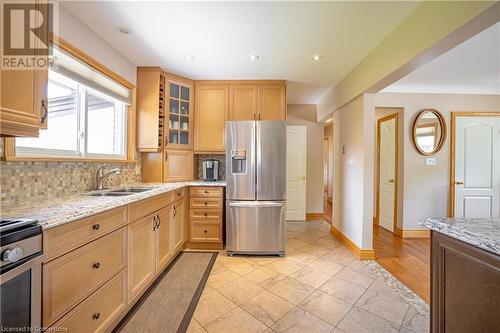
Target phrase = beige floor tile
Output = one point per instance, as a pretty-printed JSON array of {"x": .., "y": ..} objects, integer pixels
[
  {"x": 344, "y": 290},
  {"x": 194, "y": 327},
  {"x": 240, "y": 290},
  {"x": 212, "y": 305},
  {"x": 263, "y": 260},
  {"x": 307, "y": 237},
  {"x": 240, "y": 265},
  {"x": 360, "y": 267},
  {"x": 236, "y": 321},
  {"x": 296, "y": 244},
  {"x": 326, "y": 266},
  {"x": 315, "y": 250},
  {"x": 355, "y": 277},
  {"x": 292, "y": 290},
  {"x": 416, "y": 322},
  {"x": 285, "y": 266},
  {"x": 311, "y": 277},
  {"x": 267, "y": 307},
  {"x": 360, "y": 321},
  {"x": 301, "y": 257},
  {"x": 381, "y": 287},
  {"x": 328, "y": 242},
  {"x": 383, "y": 306},
  {"x": 265, "y": 277},
  {"x": 326, "y": 307},
  {"x": 300, "y": 321},
  {"x": 221, "y": 278}
]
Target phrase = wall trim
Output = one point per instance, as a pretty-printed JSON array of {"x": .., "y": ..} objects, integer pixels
[
  {"x": 416, "y": 233},
  {"x": 363, "y": 254},
  {"x": 314, "y": 216}
]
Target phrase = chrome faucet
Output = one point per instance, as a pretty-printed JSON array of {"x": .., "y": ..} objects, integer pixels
[{"x": 100, "y": 176}]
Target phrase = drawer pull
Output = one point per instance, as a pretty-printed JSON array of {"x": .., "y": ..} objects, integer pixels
[
  {"x": 96, "y": 226},
  {"x": 96, "y": 265},
  {"x": 96, "y": 316},
  {"x": 206, "y": 203},
  {"x": 205, "y": 231},
  {"x": 205, "y": 214},
  {"x": 206, "y": 192},
  {"x": 179, "y": 193}
]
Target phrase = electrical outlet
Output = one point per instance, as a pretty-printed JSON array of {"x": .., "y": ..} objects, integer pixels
[{"x": 137, "y": 169}]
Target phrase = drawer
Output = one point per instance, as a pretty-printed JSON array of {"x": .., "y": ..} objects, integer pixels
[
  {"x": 70, "y": 278},
  {"x": 205, "y": 203},
  {"x": 205, "y": 214},
  {"x": 100, "y": 309},
  {"x": 67, "y": 237},
  {"x": 179, "y": 194},
  {"x": 206, "y": 191},
  {"x": 205, "y": 232},
  {"x": 144, "y": 207}
]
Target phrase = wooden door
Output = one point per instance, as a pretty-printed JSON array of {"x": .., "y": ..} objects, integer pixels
[
  {"x": 141, "y": 255},
  {"x": 150, "y": 108},
  {"x": 179, "y": 216},
  {"x": 477, "y": 167},
  {"x": 387, "y": 172},
  {"x": 296, "y": 173},
  {"x": 212, "y": 112},
  {"x": 243, "y": 102},
  {"x": 272, "y": 102},
  {"x": 164, "y": 242},
  {"x": 178, "y": 165}
]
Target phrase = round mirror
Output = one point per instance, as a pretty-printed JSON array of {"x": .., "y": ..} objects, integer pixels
[{"x": 429, "y": 131}]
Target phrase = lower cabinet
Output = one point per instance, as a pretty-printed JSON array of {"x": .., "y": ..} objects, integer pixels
[
  {"x": 205, "y": 216},
  {"x": 164, "y": 246},
  {"x": 97, "y": 312},
  {"x": 178, "y": 217}
]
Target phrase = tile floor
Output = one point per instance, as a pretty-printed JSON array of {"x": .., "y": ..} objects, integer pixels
[{"x": 318, "y": 287}]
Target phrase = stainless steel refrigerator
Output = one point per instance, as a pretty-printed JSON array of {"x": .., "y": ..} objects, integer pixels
[{"x": 256, "y": 187}]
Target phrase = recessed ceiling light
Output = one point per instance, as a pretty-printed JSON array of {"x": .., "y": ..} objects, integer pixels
[
  {"x": 253, "y": 57},
  {"x": 317, "y": 57},
  {"x": 124, "y": 30},
  {"x": 189, "y": 57}
]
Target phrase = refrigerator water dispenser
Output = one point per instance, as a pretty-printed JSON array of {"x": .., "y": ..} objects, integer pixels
[{"x": 238, "y": 161}]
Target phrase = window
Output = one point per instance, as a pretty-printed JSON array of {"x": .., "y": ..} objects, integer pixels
[{"x": 82, "y": 122}]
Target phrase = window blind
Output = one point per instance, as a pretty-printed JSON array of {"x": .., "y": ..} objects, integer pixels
[{"x": 85, "y": 74}]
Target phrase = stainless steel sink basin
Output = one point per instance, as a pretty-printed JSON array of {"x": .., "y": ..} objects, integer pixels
[
  {"x": 110, "y": 194},
  {"x": 132, "y": 190}
]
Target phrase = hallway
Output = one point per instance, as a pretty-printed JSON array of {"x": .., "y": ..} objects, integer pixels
[{"x": 407, "y": 259}]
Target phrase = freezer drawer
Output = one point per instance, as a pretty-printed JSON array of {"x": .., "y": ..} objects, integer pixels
[{"x": 255, "y": 227}]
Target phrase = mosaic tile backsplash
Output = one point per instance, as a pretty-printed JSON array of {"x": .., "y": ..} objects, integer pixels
[
  {"x": 218, "y": 157},
  {"x": 28, "y": 181}
]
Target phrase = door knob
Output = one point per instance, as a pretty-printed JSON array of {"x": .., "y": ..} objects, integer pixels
[
  {"x": 459, "y": 182},
  {"x": 390, "y": 181}
]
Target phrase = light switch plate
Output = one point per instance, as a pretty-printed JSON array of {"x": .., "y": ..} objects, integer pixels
[{"x": 430, "y": 161}]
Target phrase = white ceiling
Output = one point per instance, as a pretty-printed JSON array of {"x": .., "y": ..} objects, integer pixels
[
  {"x": 221, "y": 35},
  {"x": 472, "y": 67}
]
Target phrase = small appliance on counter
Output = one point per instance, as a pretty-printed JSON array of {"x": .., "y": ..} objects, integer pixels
[
  {"x": 20, "y": 275},
  {"x": 210, "y": 170}
]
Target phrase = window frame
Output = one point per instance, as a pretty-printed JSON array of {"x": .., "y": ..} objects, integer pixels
[
  {"x": 81, "y": 135},
  {"x": 129, "y": 145}
]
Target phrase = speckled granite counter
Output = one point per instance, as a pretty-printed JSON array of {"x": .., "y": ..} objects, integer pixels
[
  {"x": 482, "y": 233},
  {"x": 54, "y": 212}
]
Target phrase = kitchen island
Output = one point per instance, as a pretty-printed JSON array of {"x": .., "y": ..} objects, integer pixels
[{"x": 465, "y": 275}]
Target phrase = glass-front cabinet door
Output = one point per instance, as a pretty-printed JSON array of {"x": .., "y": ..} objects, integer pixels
[{"x": 180, "y": 111}]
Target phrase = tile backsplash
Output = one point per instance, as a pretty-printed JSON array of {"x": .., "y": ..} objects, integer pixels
[
  {"x": 218, "y": 157},
  {"x": 28, "y": 181}
]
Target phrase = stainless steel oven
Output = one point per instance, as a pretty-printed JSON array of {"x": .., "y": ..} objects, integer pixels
[{"x": 20, "y": 275}]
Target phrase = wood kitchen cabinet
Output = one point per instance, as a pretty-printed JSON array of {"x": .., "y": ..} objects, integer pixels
[
  {"x": 205, "y": 216},
  {"x": 23, "y": 95},
  {"x": 257, "y": 101},
  {"x": 179, "y": 118},
  {"x": 164, "y": 247},
  {"x": 178, "y": 222},
  {"x": 243, "y": 102},
  {"x": 212, "y": 112},
  {"x": 178, "y": 165},
  {"x": 272, "y": 102}
]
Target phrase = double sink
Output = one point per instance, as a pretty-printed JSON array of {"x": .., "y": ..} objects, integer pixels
[{"x": 122, "y": 192}]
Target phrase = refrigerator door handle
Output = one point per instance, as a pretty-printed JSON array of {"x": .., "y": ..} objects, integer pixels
[{"x": 256, "y": 204}]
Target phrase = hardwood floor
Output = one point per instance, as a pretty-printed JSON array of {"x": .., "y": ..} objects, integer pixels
[{"x": 406, "y": 259}]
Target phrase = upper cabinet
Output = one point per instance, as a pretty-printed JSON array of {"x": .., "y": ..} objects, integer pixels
[
  {"x": 257, "y": 101},
  {"x": 212, "y": 112},
  {"x": 164, "y": 108}
]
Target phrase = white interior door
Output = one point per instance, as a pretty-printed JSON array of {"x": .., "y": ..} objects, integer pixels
[
  {"x": 296, "y": 172},
  {"x": 477, "y": 167},
  {"x": 387, "y": 174}
]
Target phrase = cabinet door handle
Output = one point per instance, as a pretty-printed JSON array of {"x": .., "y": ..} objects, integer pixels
[
  {"x": 166, "y": 156},
  {"x": 159, "y": 220},
  {"x": 96, "y": 316},
  {"x": 166, "y": 141},
  {"x": 96, "y": 226},
  {"x": 45, "y": 112},
  {"x": 96, "y": 265},
  {"x": 155, "y": 223},
  {"x": 175, "y": 211}
]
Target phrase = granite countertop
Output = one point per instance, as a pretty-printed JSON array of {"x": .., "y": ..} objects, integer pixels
[
  {"x": 53, "y": 212},
  {"x": 482, "y": 233}
]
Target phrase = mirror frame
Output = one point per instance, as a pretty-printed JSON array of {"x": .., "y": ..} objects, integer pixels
[{"x": 442, "y": 139}]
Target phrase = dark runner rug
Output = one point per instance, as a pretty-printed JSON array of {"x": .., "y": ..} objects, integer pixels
[{"x": 168, "y": 305}]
